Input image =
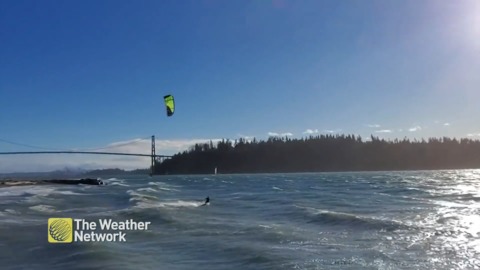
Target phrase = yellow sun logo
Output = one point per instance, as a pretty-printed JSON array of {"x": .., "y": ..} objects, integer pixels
[{"x": 60, "y": 230}]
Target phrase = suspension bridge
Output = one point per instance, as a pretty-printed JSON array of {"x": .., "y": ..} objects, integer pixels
[{"x": 154, "y": 158}]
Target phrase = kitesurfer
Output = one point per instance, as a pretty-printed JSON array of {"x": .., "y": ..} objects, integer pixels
[{"x": 207, "y": 200}]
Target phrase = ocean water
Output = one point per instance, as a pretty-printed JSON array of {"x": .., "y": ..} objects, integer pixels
[{"x": 374, "y": 220}]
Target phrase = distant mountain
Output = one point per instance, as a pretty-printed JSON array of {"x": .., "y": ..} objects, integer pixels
[
  {"x": 70, "y": 173},
  {"x": 116, "y": 171},
  {"x": 38, "y": 175}
]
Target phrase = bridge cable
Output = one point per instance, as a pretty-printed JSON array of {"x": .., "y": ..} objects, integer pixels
[{"x": 85, "y": 149}]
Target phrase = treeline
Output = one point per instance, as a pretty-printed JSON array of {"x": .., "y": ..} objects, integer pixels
[{"x": 324, "y": 153}]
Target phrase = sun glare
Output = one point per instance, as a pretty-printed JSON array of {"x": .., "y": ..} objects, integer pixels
[{"x": 470, "y": 22}]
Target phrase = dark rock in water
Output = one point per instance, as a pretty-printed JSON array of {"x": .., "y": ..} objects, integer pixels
[{"x": 85, "y": 181}]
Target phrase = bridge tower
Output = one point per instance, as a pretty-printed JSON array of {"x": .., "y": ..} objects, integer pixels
[{"x": 152, "y": 168}]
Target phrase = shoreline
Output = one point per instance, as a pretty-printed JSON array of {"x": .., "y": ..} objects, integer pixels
[{"x": 19, "y": 182}]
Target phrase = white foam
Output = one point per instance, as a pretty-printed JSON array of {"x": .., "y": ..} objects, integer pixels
[
  {"x": 171, "y": 204},
  {"x": 163, "y": 184},
  {"x": 43, "y": 208},
  {"x": 149, "y": 189},
  {"x": 11, "y": 211},
  {"x": 142, "y": 198},
  {"x": 40, "y": 191},
  {"x": 13, "y": 191},
  {"x": 37, "y": 190},
  {"x": 117, "y": 184},
  {"x": 168, "y": 189},
  {"x": 67, "y": 192},
  {"x": 156, "y": 183},
  {"x": 226, "y": 182},
  {"x": 180, "y": 204}
]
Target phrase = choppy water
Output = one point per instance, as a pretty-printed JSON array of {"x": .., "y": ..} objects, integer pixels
[{"x": 395, "y": 220}]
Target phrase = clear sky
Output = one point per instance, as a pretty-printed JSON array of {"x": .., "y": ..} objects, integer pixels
[{"x": 88, "y": 74}]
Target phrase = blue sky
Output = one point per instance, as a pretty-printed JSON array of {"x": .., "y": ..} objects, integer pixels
[{"x": 86, "y": 74}]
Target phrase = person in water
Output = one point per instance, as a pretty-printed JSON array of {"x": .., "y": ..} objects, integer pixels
[{"x": 207, "y": 200}]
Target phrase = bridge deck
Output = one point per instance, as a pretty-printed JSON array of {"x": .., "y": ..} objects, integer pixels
[{"x": 82, "y": 152}]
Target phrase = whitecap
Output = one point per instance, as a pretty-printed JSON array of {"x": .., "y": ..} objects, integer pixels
[
  {"x": 11, "y": 211},
  {"x": 149, "y": 189},
  {"x": 180, "y": 203},
  {"x": 171, "y": 204},
  {"x": 43, "y": 208},
  {"x": 118, "y": 184},
  {"x": 168, "y": 189}
]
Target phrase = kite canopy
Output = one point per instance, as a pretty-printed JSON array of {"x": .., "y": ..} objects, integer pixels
[{"x": 169, "y": 104}]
